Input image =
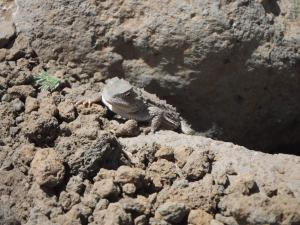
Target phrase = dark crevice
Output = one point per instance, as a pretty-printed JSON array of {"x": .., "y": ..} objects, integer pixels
[{"x": 271, "y": 6}]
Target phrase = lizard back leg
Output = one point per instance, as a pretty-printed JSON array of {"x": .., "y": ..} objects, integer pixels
[{"x": 156, "y": 122}]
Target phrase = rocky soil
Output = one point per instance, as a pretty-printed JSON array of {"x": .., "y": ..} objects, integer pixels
[{"x": 62, "y": 164}]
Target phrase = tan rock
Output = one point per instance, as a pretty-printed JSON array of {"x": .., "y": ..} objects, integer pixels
[
  {"x": 199, "y": 217},
  {"x": 47, "y": 168}
]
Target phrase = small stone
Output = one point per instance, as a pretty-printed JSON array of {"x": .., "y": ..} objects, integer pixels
[
  {"x": 5, "y": 98},
  {"x": 129, "y": 129},
  {"x": 165, "y": 153},
  {"x": 197, "y": 165},
  {"x": 18, "y": 105},
  {"x": 102, "y": 204},
  {"x": 26, "y": 154},
  {"x": 181, "y": 155},
  {"x": 67, "y": 111},
  {"x": 47, "y": 168},
  {"x": 98, "y": 77},
  {"x": 199, "y": 217},
  {"x": 141, "y": 220},
  {"x": 162, "y": 172},
  {"x": 19, "y": 119},
  {"x": 21, "y": 91},
  {"x": 75, "y": 184},
  {"x": 172, "y": 212},
  {"x": 106, "y": 189},
  {"x": 114, "y": 214},
  {"x": 105, "y": 174},
  {"x": 132, "y": 205},
  {"x": 127, "y": 174},
  {"x": 129, "y": 189},
  {"x": 31, "y": 104},
  {"x": 13, "y": 131}
]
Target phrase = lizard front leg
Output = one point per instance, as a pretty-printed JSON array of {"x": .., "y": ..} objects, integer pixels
[
  {"x": 89, "y": 100},
  {"x": 156, "y": 122}
]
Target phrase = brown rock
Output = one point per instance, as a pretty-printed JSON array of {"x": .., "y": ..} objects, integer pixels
[
  {"x": 197, "y": 165},
  {"x": 21, "y": 91},
  {"x": 114, "y": 214},
  {"x": 31, "y": 104},
  {"x": 129, "y": 129},
  {"x": 199, "y": 217},
  {"x": 106, "y": 189},
  {"x": 47, "y": 168},
  {"x": 181, "y": 155},
  {"x": 66, "y": 111},
  {"x": 127, "y": 174},
  {"x": 162, "y": 172},
  {"x": 129, "y": 189},
  {"x": 165, "y": 153},
  {"x": 172, "y": 212}
]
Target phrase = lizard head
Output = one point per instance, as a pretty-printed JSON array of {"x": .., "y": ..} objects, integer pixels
[{"x": 118, "y": 91}]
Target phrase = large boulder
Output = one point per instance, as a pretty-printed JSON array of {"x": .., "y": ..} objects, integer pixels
[{"x": 234, "y": 63}]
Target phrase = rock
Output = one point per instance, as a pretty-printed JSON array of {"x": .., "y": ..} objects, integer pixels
[
  {"x": 66, "y": 111},
  {"x": 133, "y": 206},
  {"x": 75, "y": 184},
  {"x": 165, "y": 153},
  {"x": 18, "y": 105},
  {"x": 68, "y": 200},
  {"x": 31, "y": 104},
  {"x": 162, "y": 172},
  {"x": 197, "y": 165},
  {"x": 21, "y": 91},
  {"x": 114, "y": 214},
  {"x": 40, "y": 128},
  {"x": 129, "y": 189},
  {"x": 129, "y": 129},
  {"x": 89, "y": 130},
  {"x": 199, "y": 217},
  {"x": 140, "y": 220},
  {"x": 87, "y": 156},
  {"x": 47, "y": 168},
  {"x": 126, "y": 174},
  {"x": 106, "y": 189},
  {"x": 172, "y": 212},
  {"x": 7, "y": 33},
  {"x": 105, "y": 174},
  {"x": 181, "y": 155}
]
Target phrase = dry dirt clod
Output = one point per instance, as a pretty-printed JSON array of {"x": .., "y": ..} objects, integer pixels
[
  {"x": 47, "y": 168},
  {"x": 129, "y": 129},
  {"x": 106, "y": 188},
  {"x": 199, "y": 217},
  {"x": 172, "y": 212}
]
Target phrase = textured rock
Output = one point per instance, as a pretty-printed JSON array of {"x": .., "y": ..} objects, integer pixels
[
  {"x": 199, "y": 217},
  {"x": 172, "y": 212},
  {"x": 47, "y": 168},
  {"x": 88, "y": 156},
  {"x": 234, "y": 64},
  {"x": 114, "y": 214},
  {"x": 197, "y": 165}
]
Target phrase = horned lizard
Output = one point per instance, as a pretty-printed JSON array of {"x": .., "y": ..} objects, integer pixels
[{"x": 135, "y": 103}]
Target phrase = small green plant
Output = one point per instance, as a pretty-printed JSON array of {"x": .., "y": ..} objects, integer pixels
[{"x": 47, "y": 82}]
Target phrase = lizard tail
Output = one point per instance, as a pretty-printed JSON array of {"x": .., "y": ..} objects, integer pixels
[{"x": 187, "y": 129}]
